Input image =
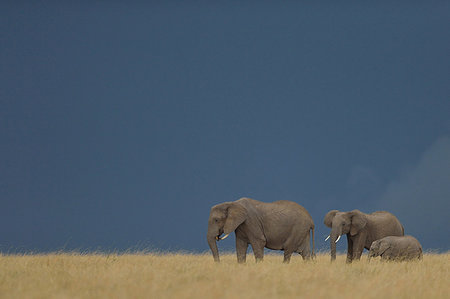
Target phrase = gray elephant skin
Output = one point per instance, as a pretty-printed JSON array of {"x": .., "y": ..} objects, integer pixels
[
  {"x": 361, "y": 230},
  {"x": 280, "y": 225},
  {"x": 396, "y": 248}
]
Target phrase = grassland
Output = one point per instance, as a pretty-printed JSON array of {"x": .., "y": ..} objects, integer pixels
[{"x": 69, "y": 275}]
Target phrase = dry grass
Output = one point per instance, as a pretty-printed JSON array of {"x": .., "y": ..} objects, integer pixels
[{"x": 197, "y": 276}]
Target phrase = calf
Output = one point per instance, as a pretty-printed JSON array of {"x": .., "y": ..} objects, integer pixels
[{"x": 396, "y": 248}]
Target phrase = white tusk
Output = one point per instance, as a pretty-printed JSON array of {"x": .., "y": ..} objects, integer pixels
[
  {"x": 327, "y": 237},
  {"x": 338, "y": 239},
  {"x": 224, "y": 237}
]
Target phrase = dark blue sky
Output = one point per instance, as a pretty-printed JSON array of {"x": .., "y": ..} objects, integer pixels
[{"x": 121, "y": 125}]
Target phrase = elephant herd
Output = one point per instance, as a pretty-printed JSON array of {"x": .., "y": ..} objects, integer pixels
[{"x": 286, "y": 225}]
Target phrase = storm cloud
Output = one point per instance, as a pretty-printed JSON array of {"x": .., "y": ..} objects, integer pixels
[{"x": 420, "y": 197}]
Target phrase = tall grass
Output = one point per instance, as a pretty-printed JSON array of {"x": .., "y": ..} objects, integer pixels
[{"x": 68, "y": 275}]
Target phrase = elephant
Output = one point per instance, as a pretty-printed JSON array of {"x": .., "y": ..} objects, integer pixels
[
  {"x": 280, "y": 225},
  {"x": 396, "y": 248},
  {"x": 361, "y": 230}
]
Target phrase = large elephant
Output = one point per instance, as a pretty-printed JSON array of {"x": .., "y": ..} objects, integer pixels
[
  {"x": 281, "y": 225},
  {"x": 361, "y": 230},
  {"x": 396, "y": 248}
]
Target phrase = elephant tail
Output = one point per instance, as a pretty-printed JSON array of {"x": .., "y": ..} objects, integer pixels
[{"x": 313, "y": 255}]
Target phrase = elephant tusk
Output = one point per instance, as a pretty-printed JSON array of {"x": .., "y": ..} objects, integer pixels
[
  {"x": 224, "y": 237},
  {"x": 338, "y": 239},
  {"x": 327, "y": 237}
]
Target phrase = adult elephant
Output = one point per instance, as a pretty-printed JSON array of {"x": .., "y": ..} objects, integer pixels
[
  {"x": 361, "y": 230},
  {"x": 280, "y": 225}
]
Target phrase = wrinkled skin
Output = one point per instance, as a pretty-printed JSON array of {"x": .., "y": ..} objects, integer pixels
[
  {"x": 281, "y": 225},
  {"x": 396, "y": 248},
  {"x": 361, "y": 230}
]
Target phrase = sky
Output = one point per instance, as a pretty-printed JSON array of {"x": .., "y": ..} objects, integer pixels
[{"x": 121, "y": 125}]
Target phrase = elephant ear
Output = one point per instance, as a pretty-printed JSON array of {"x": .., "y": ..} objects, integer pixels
[
  {"x": 236, "y": 215},
  {"x": 329, "y": 217},
  {"x": 359, "y": 221},
  {"x": 383, "y": 247}
]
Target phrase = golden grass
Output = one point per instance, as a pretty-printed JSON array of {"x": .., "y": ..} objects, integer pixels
[{"x": 68, "y": 275}]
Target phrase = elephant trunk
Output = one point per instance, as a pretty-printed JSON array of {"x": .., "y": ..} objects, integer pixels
[
  {"x": 333, "y": 248},
  {"x": 211, "y": 237},
  {"x": 334, "y": 237},
  {"x": 371, "y": 254}
]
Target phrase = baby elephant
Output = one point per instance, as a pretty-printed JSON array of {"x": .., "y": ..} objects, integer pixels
[{"x": 396, "y": 248}]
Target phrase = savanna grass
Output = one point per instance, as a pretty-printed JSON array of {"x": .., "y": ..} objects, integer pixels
[{"x": 139, "y": 275}]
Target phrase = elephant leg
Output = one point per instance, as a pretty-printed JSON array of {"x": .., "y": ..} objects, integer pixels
[
  {"x": 389, "y": 255},
  {"x": 349, "y": 249},
  {"x": 305, "y": 250},
  {"x": 241, "y": 250},
  {"x": 358, "y": 247},
  {"x": 306, "y": 256},
  {"x": 287, "y": 256},
  {"x": 307, "y": 253},
  {"x": 258, "y": 250}
]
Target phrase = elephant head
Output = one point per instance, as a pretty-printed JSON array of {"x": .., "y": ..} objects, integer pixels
[
  {"x": 223, "y": 219},
  {"x": 377, "y": 248},
  {"x": 343, "y": 223}
]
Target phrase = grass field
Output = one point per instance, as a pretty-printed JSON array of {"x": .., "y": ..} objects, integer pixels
[{"x": 67, "y": 275}]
